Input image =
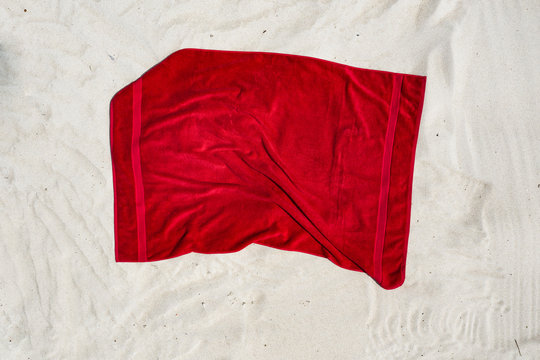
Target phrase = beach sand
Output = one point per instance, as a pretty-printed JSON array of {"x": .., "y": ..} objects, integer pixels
[{"x": 472, "y": 289}]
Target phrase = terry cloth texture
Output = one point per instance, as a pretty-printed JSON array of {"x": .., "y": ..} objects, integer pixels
[{"x": 213, "y": 150}]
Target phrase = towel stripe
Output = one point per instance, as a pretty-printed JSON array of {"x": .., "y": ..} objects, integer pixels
[
  {"x": 385, "y": 178},
  {"x": 137, "y": 173}
]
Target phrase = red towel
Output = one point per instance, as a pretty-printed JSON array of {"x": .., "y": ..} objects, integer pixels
[{"x": 213, "y": 150}]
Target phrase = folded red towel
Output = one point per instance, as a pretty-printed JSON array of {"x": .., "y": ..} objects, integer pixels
[{"x": 213, "y": 150}]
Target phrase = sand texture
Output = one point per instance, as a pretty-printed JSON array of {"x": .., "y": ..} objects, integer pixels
[{"x": 473, "y": 286}]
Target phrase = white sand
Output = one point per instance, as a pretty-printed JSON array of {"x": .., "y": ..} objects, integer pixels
[{"x": 472, "y": 289}]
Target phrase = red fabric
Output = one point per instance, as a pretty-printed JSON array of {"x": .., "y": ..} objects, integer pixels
[{"x": 213, "y": 150}]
